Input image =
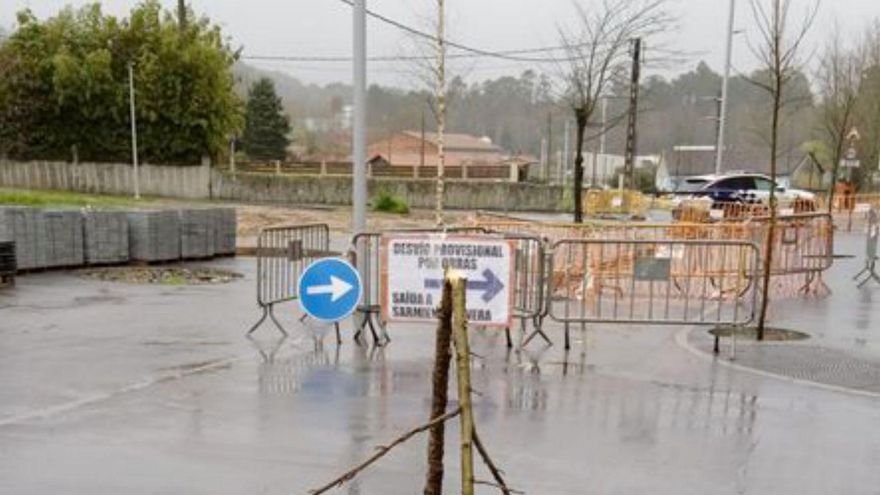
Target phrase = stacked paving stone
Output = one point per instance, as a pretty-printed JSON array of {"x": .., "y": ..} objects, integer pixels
[
  {"x": 154, "y": 235},
  {"x": 105, "y": 237},
  {"x": 7, "y": 252},
  {"x": 63, "y": 238},
  {"x": 68, "y": 238},
  {"x": 226, "y": 226},
  {"x": 197, "y": 233},
  {"x": 5, "y": 228},
  {"x": 28, "y": 228}
]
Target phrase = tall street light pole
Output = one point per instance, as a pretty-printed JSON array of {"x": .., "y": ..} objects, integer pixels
[
  {"x": 722, "y": 117},
  {"x": 359, "y": 124},
  {"x": 134, "y": 141},
  {"x": 441, "y": 110}
]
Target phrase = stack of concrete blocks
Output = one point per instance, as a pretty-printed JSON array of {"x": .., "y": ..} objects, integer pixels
[
  {"x": 197, "y": 233},
  {"x": 226, "y": 226},
  {"x": 105, "y": 237},
  {"x": 64, "y": 238},
  {"x": 28, "y": 228},
  {"x": 5, "y": 228},
  {"x": 7, "y": 253},
  {"x": 154, "y": 235}
]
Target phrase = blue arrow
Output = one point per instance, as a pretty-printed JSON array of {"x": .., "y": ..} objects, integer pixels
[{"x": 491, "y": 286}]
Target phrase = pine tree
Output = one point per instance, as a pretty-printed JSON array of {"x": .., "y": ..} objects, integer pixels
[{"x": 266, "y": 126}]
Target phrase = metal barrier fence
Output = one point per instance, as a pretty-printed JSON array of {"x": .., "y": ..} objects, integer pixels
[
  {"x": 702, "y": 211},
  {"x": 365, "y": 254},
  {"x": 282, "y": 255},
  {"x": 803, "y": 243},
  {"x": 529, "y": 281},
  {"x": 869, "y": 271},
  {"x": 696, "y": 282}
]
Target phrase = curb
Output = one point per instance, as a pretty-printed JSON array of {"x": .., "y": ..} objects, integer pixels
[{"x": 681, "y": 339}]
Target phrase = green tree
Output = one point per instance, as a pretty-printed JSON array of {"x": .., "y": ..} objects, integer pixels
[
  {"x": 64, "y": 85},
  {"x": 266, "y": 126}
]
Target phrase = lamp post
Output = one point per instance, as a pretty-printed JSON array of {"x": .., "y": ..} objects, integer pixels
[{"x": 134, "y": 146}]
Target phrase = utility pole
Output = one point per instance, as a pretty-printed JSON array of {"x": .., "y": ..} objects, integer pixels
[
  {"x": 422, "y": 154},
  {"x": 181, "y": 15},
  {"x": 602, "y": 138},
  {"x": 359, "y": 124},
  {"x": 722, "y": 114},
  {"x": 544, "y": 159},
  {"x": 549, "y": 145},
  {"x": 630, "y": 155},
  {"x": 232, "y": 155},
  {"x": 134, "y": 139},
  {"x": 441, "y": 109},
  {"x": 566, "y": 152}
]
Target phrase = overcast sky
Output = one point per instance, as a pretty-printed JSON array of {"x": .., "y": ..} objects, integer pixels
[{"x": 323, "y": 28}]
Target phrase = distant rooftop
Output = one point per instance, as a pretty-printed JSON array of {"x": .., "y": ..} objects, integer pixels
[{"x": 456, "y": 141}]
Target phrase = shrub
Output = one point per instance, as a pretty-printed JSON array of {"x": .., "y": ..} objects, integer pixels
[{"x": 390, "y": 203}]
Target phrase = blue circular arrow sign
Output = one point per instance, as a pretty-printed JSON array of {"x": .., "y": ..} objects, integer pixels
[{"x": 329, "y": 289}]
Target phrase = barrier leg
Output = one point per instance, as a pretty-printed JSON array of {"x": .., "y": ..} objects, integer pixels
[
  {"x": 507, "y": 337},
  {"x": 275, "y": 320},
  {"x": 338, "y": 334},
  {"x": 367, "y": 322},
  {"x": 361, "y": 325},
  {"x": 867, "y": 268},
  {"x": 260, "y": 321},
  {"x": 567, "y": 337},
  {"x": 536, "y": 332},
  {"x": 383, "y": 326},
  {"x": 872, "y": 275}
]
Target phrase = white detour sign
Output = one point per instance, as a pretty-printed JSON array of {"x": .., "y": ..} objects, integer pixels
[{"x": 412, "y": 281}]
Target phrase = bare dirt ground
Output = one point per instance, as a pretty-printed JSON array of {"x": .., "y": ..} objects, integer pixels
[{"x": 253, "y": 218}]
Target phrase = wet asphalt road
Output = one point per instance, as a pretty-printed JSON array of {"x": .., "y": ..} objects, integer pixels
[{"x": 110, "y": 388}]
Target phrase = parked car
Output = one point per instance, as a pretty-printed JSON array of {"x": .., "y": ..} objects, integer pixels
[{"x": 739, "y": 188}]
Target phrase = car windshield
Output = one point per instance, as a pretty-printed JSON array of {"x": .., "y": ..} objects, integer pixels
[{"x": 692, "y": 185}]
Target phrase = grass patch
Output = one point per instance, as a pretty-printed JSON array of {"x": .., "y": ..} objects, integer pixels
[
  {"x": 389, "y": 203},
  {"x": 28, "y": 197}
]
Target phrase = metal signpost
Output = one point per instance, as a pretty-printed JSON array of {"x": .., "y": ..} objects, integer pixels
[
  {"x": 412, "y": 289},
  {"x": 329, "y": 290}
]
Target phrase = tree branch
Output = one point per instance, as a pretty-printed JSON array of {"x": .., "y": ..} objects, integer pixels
[
  {"x": 382, "y": 450},
  {"x": 496, "y": 473}
]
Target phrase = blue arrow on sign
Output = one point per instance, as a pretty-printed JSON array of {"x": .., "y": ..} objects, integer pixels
[
  {"x": 329, "y": 289},
  {"x": 491, "y": 285}
]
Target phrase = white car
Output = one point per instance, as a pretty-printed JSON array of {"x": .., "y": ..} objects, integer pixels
[{"x": 739, "y": 188}]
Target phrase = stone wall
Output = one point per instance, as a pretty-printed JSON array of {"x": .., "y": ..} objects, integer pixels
[
  {"x": 418, "y": 193},
  {"x": 201, "y": 182}
]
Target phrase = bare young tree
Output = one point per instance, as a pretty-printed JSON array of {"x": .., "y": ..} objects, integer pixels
[
  {"x": 597, "y": 57},
  {"x": 868, "y": 105},
  {"x": 778, "y": 51},
  {"x": 839, "y": 76}
]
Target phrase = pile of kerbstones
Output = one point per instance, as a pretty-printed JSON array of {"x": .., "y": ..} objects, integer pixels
[
  {"x": 72, "y": 238},
  {"x": 7, "y": 256}
]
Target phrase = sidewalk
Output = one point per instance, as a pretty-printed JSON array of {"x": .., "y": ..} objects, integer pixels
[{"x": 844, "y": 327}]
